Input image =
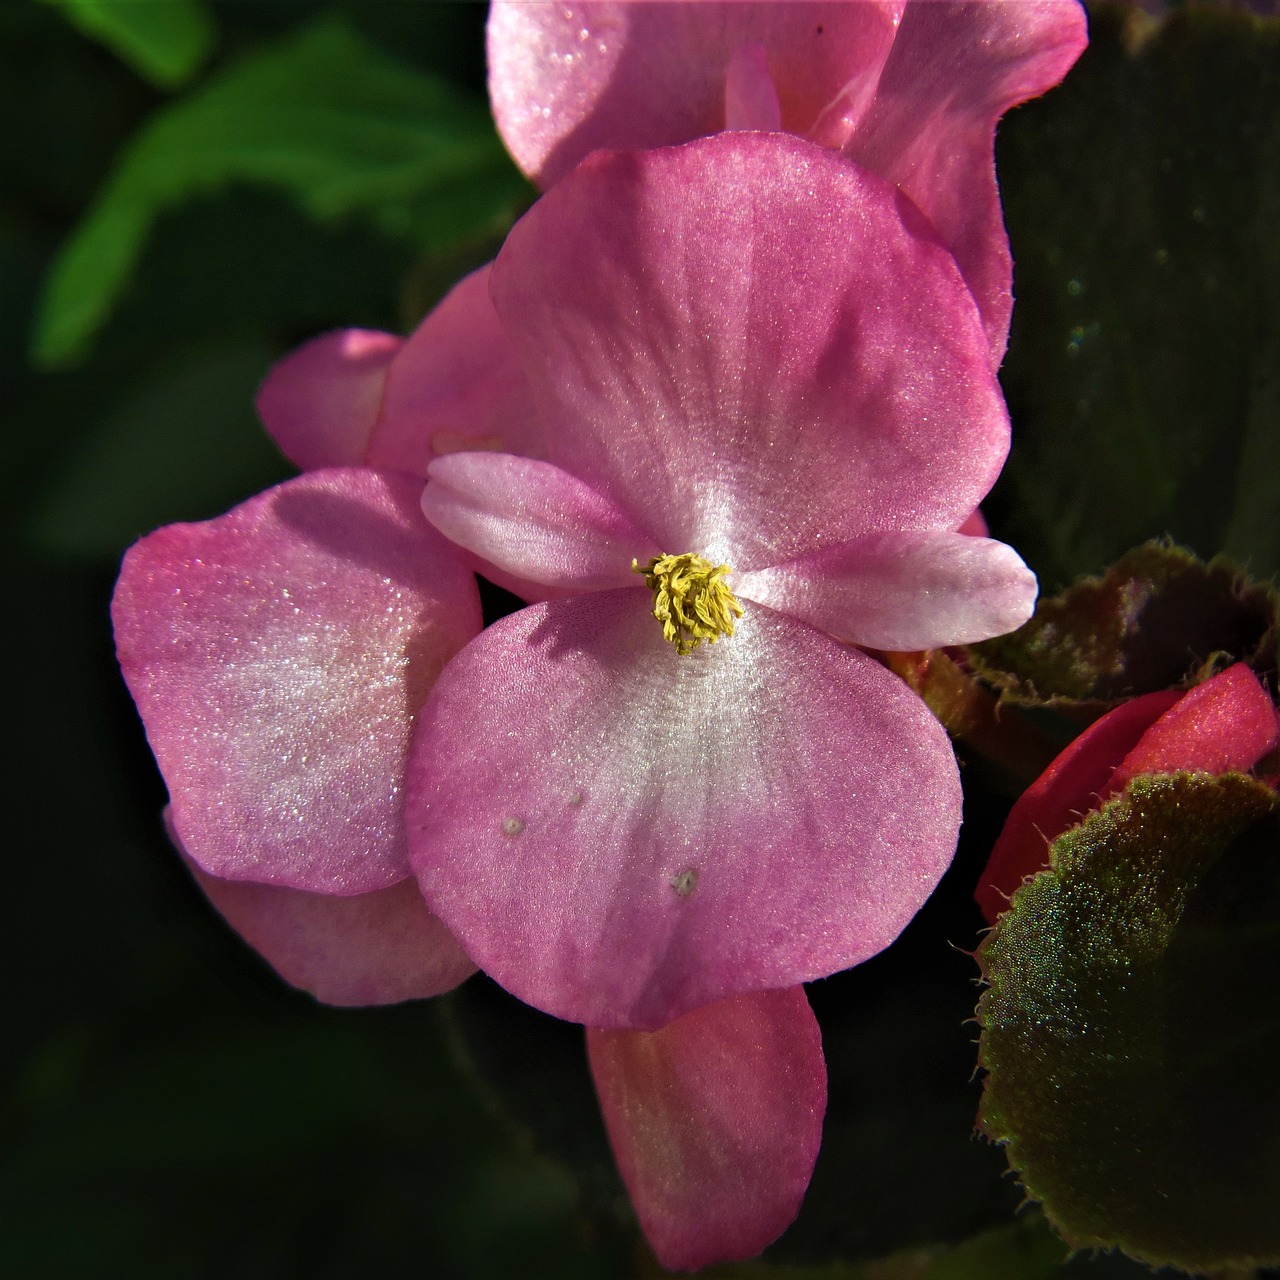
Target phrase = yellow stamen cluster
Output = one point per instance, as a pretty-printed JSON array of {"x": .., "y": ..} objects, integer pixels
[{"x": 690, "y": 599}]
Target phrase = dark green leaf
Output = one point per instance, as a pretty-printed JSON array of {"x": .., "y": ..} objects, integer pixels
[
  {"x": 533, "y": 1070},
  {"x": 163, "y": 40},
  {"x": 1157, "y": 619},
  {"x": 184, "y": 443},
  {"x": 1142, "y": 199},
  {"x": 342, "y": 129},
  {"x": 1131, "y": 1026}
]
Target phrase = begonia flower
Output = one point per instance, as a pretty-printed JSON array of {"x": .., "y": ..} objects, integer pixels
[
  {"x": 277, "y": 655},
  {"x": 912, "y": 89},
  {"x": 766, "y": 409},
  {"x": 360, "y": 397},
  {"x": 1226, "y": 724}
]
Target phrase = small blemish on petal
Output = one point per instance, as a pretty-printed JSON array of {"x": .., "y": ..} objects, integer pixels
[
  {"x": 512, "y": 826},
  {"x": 576, "y": 798},
  {"x": 685, "y": 882}
]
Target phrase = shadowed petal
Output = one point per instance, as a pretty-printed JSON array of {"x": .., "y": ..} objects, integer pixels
[
  {"x": 566, "y": 79},
  {"x": 320, "y": 403},
  {"x": 276, "y": 656},
  {"x": 953, "y": 71},
  {"x": 374, "y": 948},
  {"x": 534, "y": 521},
  {"x": 455, "y": 386},
  {"x": 809, "y": 367},
  {"x": 902, "y": 591},
  {"x": 618, "y": 834},
  {"x": 750, "y": 96},
  {"x": 913, "y": 90},
  {"x": 715, "y": 1121}
]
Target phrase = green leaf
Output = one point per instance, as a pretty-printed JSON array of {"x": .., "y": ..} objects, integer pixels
[
  {"x": 1131, "y": 1026},
  {"x": 165, "y": 41},
  {"x": 1142, "y": 199},
  {"x": 345, "y": 131},
  {"x": 1157, "y": 619}
]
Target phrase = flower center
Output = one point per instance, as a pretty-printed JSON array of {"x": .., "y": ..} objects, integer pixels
[{"x": 690, "y": 599}]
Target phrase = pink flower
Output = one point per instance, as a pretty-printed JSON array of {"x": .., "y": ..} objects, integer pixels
[
  {"x": 1227, "y": 723},
  {"x": 747, "y": 352},
  {"x": 277, "y": 656},
  {"x": 364, "y": 398},
  {"x": 912, "y": 89},
  {"x": 359, "y": 397}
]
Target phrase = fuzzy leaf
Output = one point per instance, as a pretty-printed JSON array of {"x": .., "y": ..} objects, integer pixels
[
  {"x": 1157, "y": 619},
  {"x": 1131, "y": 1026}
]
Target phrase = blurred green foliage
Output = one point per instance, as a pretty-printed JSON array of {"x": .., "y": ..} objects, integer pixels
[
  {"x": 1142, "y": 199},
  {"x": 167, "y": 229},
  {"x": 323, "y": 116},
  {"x": 164, "y": 41}
]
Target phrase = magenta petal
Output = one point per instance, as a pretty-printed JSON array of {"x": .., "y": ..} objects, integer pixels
[
  {"x": 902, "y": 591},
  {"x": 455, "y": 386},
  {"x": 793, "y": 352},
  {"x": 954, "y": 69},
  {"x": 565, "y": 80},
  {"x": 320, "y": 403},
  {"x": 534, "y": 521},
  {"x": 1226, "y": 723},
  {"x": 374, "y": 948},
  {"x": 618, "y": 834},
  {"x": 715, "y": 1121},
  {"x": 276, "y": 656}
]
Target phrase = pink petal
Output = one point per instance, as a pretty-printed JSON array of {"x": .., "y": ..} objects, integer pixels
[
  {"x": 533, "y": 520},
  {"x": 902, "y": 591},
  {"x": 375, "y": 948},
  {"x": 321, "y": 401},
  {"x": 1227, "y": 723},
  {"x": 912, "y": 90},
  {"x": 1078, "y": 780},
  {"x": 716, "y": 1122},
  {"x": 619, "y": 834},
  {"x": 750, "y": 98},
  {"x": 566, "y": 79},
  {"x": 455, "y": 386},
  {"x": 730, "y": 363},
  {"x": 954, "y": 70},
  {"x": 975, "y": 525},
  {"x": 276, "y": 655}
]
